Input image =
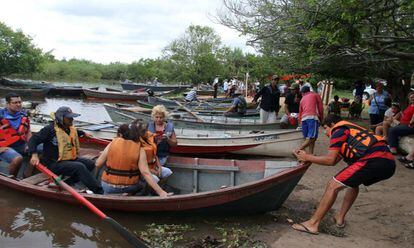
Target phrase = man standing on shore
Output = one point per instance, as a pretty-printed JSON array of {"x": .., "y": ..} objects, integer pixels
[
  {"x": 310, "y": 115},
  {"x": 269, "y": 106},
  {"x": 369, "y": 161}
]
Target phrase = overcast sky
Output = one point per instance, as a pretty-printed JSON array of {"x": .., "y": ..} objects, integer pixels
[{"x": 108, "y": 31}]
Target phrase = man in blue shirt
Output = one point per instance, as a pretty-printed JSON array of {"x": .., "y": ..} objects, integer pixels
[
  {"x": 14, "y": 133},
  {"x": 238, "y": 106}
]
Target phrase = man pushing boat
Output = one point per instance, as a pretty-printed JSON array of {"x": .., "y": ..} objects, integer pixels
[{"x": 369, "y": 161}]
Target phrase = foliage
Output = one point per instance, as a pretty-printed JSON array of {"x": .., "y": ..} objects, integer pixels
[
  {"x": 17, "y": 53},
  {"x": 236, "y": 237},
  {"x": 335, "y": 38},
  {"x": 195, "y": 54},
  {"x": 165, "y": 235}
]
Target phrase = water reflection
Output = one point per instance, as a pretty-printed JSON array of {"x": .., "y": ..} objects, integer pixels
[
  {"x": 35, "y": 222},
  {"x": 90, "y": 111}
]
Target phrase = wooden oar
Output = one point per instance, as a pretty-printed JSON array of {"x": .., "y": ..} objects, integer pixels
[
  {"x": 189, "y": 111},
  {"x": 127, "y": 235}
]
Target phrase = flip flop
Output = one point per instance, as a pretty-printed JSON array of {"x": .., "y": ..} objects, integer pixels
[
  {"x": 409, "y": 165},
  {"x": 305, "y": 229},
  {"x": 337, "y": 224},
  {"x": 404, "y": 160}
]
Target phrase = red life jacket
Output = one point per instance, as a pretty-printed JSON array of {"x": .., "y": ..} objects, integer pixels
[
  {"x": 358, "y": 142},
  {"x": 9, "y": 135}
]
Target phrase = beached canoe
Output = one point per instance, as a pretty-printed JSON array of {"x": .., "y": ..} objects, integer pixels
[
  {"x": 113, "y": 94},
  {"x": 279, "y": 143},
  {"x": 122, "y": 115},
  {"x": 153, "y": 87},
  {"x": 265, "y": 143},
  {"x": 200, "y": 186},
  {"x": 197, "y": 109},
  {"x": 25, "y": 92},
  {"x": 73, "y": 91},
  {"x": 22, "y": 83}
]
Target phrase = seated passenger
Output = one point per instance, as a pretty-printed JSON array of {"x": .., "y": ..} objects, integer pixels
[
  {"x": 335, "y": 106},
  {"x": 14, "y": 133},
  {"x": 356, "y": 107},
  {"x": 61, "y": 148},
  {"x": 164, "y": 138},
  {"x": 406, "y": 126},
  {"x": 126, "y": 162},
  {"x": 192, "y": 95},
  {"x": 238, "y": 106},
  {"x": 391, "y": 119}
]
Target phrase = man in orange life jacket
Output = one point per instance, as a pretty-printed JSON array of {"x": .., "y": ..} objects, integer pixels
[
  {"x": 14, "y": 133},
  {"x": 61, "y": 149},
  {"x": 369, "y": 161}
]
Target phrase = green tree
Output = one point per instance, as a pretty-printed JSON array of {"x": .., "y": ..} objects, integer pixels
[
  {"x": 336, "y": 38},
  {"x": 195, "y": 54},
  {"x": 17, "y": 53}
]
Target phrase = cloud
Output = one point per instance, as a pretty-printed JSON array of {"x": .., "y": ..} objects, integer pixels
[{"x": 108, "y": 31}]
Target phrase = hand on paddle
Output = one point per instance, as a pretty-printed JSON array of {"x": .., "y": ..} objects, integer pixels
[
  {"x": 87, "y": 135},
  {"x": 34, "y": 160}
]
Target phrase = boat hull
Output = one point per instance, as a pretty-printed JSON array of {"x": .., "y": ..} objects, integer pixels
[
  {"x": 258, "y": 196},
  {"x": 114, "y": 95},
  {"x": 132, "y": 86},
  {"x": 124, "y": 116}
]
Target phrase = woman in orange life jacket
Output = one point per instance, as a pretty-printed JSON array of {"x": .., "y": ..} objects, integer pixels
[
  {"x": 164, "y": 138},
  {"x": 126, "y": 162},
  {"x": 369, "y": 161},
  {"x": 14, "y": 133}
]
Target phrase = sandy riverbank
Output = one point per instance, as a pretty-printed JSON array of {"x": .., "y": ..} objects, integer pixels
[{"x": 382, "y": 216}]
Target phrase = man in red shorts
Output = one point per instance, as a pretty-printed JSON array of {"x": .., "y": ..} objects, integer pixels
[{"x": 369, "y": 161}]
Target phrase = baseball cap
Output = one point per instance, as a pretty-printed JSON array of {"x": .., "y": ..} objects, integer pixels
[
  {"x": 66, "y": 112},
  {"x": 294, "y": 86}
]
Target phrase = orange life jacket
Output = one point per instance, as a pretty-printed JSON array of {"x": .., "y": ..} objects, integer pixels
[
  {"x": 358, "y": 142},
  {"x": 122, "y": 163},
  {"x": 9, "y": 135},
  {"x": 150, "y": 148}
]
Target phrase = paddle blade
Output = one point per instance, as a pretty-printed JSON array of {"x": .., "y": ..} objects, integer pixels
[{"x": 131, "y": 238}]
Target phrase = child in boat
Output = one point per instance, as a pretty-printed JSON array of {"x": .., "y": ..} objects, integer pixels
[{"x": 126, "y": 162}]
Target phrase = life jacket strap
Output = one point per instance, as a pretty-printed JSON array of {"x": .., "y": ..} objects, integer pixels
[{"x": 124, "y": 173}]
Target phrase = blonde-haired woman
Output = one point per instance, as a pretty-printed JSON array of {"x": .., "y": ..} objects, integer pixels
[{"x": 164, "y": 138}]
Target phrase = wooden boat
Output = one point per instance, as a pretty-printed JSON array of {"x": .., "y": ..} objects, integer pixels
[
  {"x": 200, "y": 186},
  {"x": 199, "y": 110},
  {"x": 270, "y": 143},
  {"x": 122, "y": 114},
  {"x": 154, "y": 87},
  {"x": 25, "y": 92},
  {"x": 113, "y": 94},
  {"x": 73, "y": 91},
  {"x": 21, "y": 83}
]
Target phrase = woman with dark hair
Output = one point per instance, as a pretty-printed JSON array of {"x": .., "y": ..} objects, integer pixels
[
  {"x": 126, "y": 162},
  {"x": 377, "y": 105}
]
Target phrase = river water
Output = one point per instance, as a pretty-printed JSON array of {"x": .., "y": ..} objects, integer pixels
[{"x": 29, "y": 221}]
